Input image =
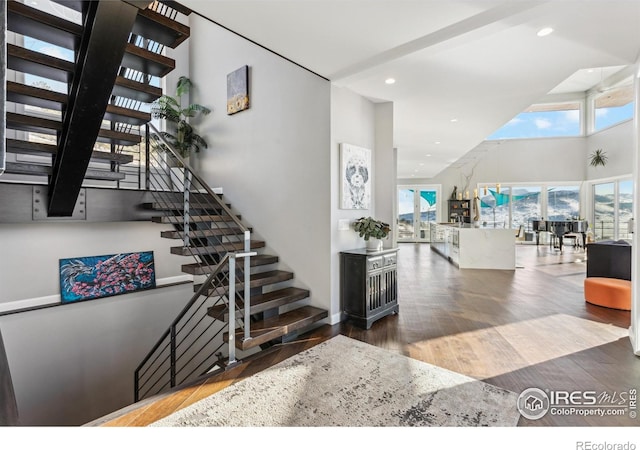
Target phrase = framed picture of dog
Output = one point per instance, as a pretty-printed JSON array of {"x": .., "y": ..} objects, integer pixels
[{"x": 355, "y": 177}]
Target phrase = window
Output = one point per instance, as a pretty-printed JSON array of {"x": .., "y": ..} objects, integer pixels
[
  {"x": 494, "y": 208},
  {"x": 563, "y": 202},
  {"x": 417, "y": 207},
  {"x": 614, "y": 106},
  {"x": 543, "y": 120},
  {"x": 525, "y": 205},
  {"x": 516, "y": 206},
  {"x": 612, "y": 209}
]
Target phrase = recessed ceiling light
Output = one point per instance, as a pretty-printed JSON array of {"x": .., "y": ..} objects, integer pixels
[
  {"x": 428, "y": 154},
  {"x": 545, "y": 32},
  {"x": 454, "y": 120},
  {"x": 436, "y": 142},
  {"x": 390, "y": 80}
]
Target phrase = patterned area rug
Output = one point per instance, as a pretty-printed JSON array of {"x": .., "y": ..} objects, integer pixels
[{"x": 345, "y": 382}]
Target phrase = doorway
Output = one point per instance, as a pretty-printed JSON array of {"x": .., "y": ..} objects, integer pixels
[{"x": 417, "y": 211}]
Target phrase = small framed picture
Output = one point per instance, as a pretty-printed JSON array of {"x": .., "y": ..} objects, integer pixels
[
  {"x": 238, "y": 90},
  {"x": 355, "y": 177}
]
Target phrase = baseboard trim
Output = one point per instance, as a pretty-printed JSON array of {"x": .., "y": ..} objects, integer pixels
[{"x": 634, "y": 341}]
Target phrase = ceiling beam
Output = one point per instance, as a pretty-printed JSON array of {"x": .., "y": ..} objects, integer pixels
[{"x": 103, "y": 44}]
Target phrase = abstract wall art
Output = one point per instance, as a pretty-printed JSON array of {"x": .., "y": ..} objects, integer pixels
[
  {"x": 355, "y": 177},
  {"x": 91, "y": 277},
  {"x": 238, "y": 90}
]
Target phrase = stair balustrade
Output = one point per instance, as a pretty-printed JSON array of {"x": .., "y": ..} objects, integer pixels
[{"x": 193, "y": 345}]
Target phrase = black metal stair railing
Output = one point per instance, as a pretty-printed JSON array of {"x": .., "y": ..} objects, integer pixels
[{"x": 208, "y": 230}]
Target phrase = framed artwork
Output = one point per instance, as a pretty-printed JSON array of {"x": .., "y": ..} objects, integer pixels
[
  {"x": 238, "y": 90},
  {"x": 355, "y": 177},
  {"x": 91, "y": 277}
]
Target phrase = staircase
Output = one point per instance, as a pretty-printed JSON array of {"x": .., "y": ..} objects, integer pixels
[
  {"x": 92, "y": 128},
  {"x": 78, "y": 117},
  {"x": 216, "y": 321}
]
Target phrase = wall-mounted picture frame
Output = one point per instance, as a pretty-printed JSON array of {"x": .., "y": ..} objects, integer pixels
[
  {"x": 355, "y": 177},
  {"x": 91, "y": 277},
  {"x": 238, "y": 90}
]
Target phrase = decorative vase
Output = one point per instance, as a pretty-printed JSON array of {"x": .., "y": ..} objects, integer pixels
[{"x": 374, "y": 245}]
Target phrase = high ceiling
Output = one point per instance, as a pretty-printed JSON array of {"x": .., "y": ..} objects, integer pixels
[{"x": 462, "y": 68}]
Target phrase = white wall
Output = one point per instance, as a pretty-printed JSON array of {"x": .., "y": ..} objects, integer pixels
[
  {"x": 272, "y": 160},
  {"x": 517, "y": 160},
  {"x": 617, "y": 142},
  {"x": 73, "y": 363},
  {"x": 353, "y": 121}
]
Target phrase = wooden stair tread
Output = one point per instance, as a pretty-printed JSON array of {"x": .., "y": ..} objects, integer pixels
[
  {"x": 257, "y": 280},
  {"x": 146, "y": 61},
  {"x": 127, "y": 88},
  {"x": 227, "y": 231},
  {"x": 49, "y": 126},
  {"x": 177, "y": 6},
  {"x": 35, "y": 96},
  {"x": 275, "y": 327},
  {"x": 40, "y": 170},
  {"x": 161, "y": 29},
  {"x": 263, "y": 302},
  {"x": 205, "y": 269},
  {"x": 37, "y": 148},
  {"x": 28, "y": 21},
  {"x": 29, "y": 61},
  {"x": 45, "y": 98},
  {"x": 120, "y": 114},
  {"x": 24, "y": 122},
  {"x": 204, "y": 218},
  {"x": 205, "y": 249}
]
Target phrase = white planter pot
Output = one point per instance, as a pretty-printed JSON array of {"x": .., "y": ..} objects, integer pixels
[{"x": 374, "y": 245}]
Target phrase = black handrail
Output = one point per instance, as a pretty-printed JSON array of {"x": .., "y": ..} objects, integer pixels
[{"x": 185, "y": 349}]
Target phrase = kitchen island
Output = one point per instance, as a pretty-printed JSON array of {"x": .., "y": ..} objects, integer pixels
[{"x": 475, "y": 248}]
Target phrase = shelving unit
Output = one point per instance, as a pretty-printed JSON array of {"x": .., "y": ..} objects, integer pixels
[{"x": 460, "y": 208}]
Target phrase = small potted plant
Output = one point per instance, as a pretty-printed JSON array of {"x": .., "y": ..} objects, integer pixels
[{"x": 368, "y": 228}]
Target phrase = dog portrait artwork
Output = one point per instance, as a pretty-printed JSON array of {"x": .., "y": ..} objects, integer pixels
[{"x": 355, "y": 174}]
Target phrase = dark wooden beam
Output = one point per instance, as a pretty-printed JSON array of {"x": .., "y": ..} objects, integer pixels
[{"x": 102, "y": 48}]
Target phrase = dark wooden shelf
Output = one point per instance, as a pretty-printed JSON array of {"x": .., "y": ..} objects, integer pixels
[{"x": 28, "y": 21}]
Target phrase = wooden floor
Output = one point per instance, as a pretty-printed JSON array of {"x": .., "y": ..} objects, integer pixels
[{"x": 514, "y": 329}]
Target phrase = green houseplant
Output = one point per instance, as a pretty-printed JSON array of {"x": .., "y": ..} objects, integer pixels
[
  {"x": 180, "y": 134},
  {"x": 368, "y": 227},
  {"x": 598, "y": 158}
]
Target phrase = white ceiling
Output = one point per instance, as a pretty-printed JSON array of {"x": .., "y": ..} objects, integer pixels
[{"x": 479, "y": 62}]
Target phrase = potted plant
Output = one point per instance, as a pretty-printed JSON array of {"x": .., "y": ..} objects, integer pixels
[
  {"x": 368, "y": 227},
  {"x": 598, "y": 158},
  {"x": 180, "y": 134}
]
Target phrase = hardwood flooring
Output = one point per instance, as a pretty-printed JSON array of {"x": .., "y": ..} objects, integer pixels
[{"x": 514, "y": 329}]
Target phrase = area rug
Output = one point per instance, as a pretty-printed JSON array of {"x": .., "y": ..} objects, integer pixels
[{"x": 345, "y": 382}]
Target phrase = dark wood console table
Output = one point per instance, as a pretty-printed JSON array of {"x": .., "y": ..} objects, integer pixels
[{"x": 368, "y": 285}]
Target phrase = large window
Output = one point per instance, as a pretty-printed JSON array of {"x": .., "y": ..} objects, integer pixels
[
  {"x": 612, "y": 209},
  {"x": 525, "y": 205},
  {"x": 563, "y": 202},
  {"x": 544, "y": 120},
  {"x": 494, "y": 208},
  {"x": 514, "y": 206},
  {"x": 614, "y": 106}
]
